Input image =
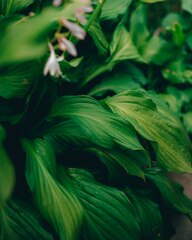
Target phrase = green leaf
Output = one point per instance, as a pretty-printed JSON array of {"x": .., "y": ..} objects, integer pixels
[
  {"x": 187, "y": 121},
  {"x": 98, "y": 125},
  {"x": 187, "y": 6},
  {"x": 171, "y": 192},
  {"x": 56, "y": 204},
  {"x": 7, "y": 177},
  {"x": 16, "y": 79},
  {"x": 152, "y": 1},
  {"x": 18, "y": 221},
  {"x": 166, "y": 133},
  {"x": 116, "y": 83},
  {"x": 108, "y": 212},
  {"x": 130, "y": 162},
  {"x": 122, "y": 47},
  {"x": 138, "y": 26},
  {"x": 99, "y": 38},
  {"x": 8, "y": 7},
  {"x": 145, "y": 209},
  {"x": 112, "y": 9}
]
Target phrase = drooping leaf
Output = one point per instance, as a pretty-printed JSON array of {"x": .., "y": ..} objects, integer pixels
[
  {"x": 8, "y": 7},
  {"x": 171, "y": 192},
  {"x": 187, "y": 6},
  {"x": 138, "y": 26},
  {"x": 56, "y": 204},
  {"x": 16, "y": 80},
  {"x": 108, "y": 212},
  {"x": 122, "y": 46},
  {"x": 145, "y": 209},
  {"x": 98, "y": 36},
  {"x": 7, "y": 177},
  {"x": 18, "y": 222},
  {"x": 112, "y": 9},
  {"x": 152, "y": 1},
  {"x": 172, "y": 148}
]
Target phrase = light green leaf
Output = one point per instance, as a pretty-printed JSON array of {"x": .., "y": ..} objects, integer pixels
[
  {"x": 112, "y": 9},
  {"x": 56, "y": 204},
  {"x": 8, "y": 7},
  {"x": 18, "y": 221},
  {"x": 171, "y": 192},
  {"x": 108, "y": 212},
  {"x": 7, "y": 177},
  {"x": 122, "y": 47},
  {"x": 171, "y": 143},
  {"x": 187, "y": 6},
  {"x": 152, "y": 1}
]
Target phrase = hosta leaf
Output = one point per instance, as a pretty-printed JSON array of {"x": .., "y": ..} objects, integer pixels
[
  {"x": 130, "y": 163},
  {"x": 116, "y": 83},
  {"x": 172, "y": 146},
  {"x": 152, "y": 1},
  {"x": 138, "y": 26},
  {"x": 56, "y": 204},
  {"x": 8, "y": 7},
  {"x": 108, "y": 212},
  {"x": 7, "y": 177},
  {"x": 187, "y": 121},
  {"x": 112, "y": 9},
  {"x": 187, "y": 6},
  {"x": 16, "y": 80},
  {"x": 145, "y": 209},
  {"x": 18, "y": 222},
  {"x": 172, "y": 192},
  {"x": 122, "y": 47},
  {"x": 98, "y": 36},
  {"x": 97, "y": 124}
]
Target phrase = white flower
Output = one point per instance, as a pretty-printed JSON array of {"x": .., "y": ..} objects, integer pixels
[
  {"x": 52, "y": 65},
  {"x": 74, "y": 29},
  {"x": 66, "y": 45},
  {"x": 80, "y": 13}
]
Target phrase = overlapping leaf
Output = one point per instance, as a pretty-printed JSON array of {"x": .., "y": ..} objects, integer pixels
[
  {"x": 19, "y": 222},
  {"x": 56, "y": 204},
  {"x": 172, "y": 146},
  {"x": 101, "y": 205},
  {"x": 171, "y": 192},
  {"x": 7, "y": 177}
]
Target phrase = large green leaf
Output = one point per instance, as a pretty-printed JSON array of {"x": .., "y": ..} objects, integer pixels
[
  {"x": 18, "y": 222},
  {"x": 171, "y": 192},
  {"x": 8, "y": 7},
  {"x": 170, "y": 142},
  {"x": 56, "y": 204},
  {"x": 99, "y": 126},
  {"x": 7, "y": 177},
  {"x": 145, "y": 209},
  {"x": 16, "y": 79},
  {"x": 112, "y": 9},
  {"x": 99, "y": 38},
  {"x": 108, "y": 212}
]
